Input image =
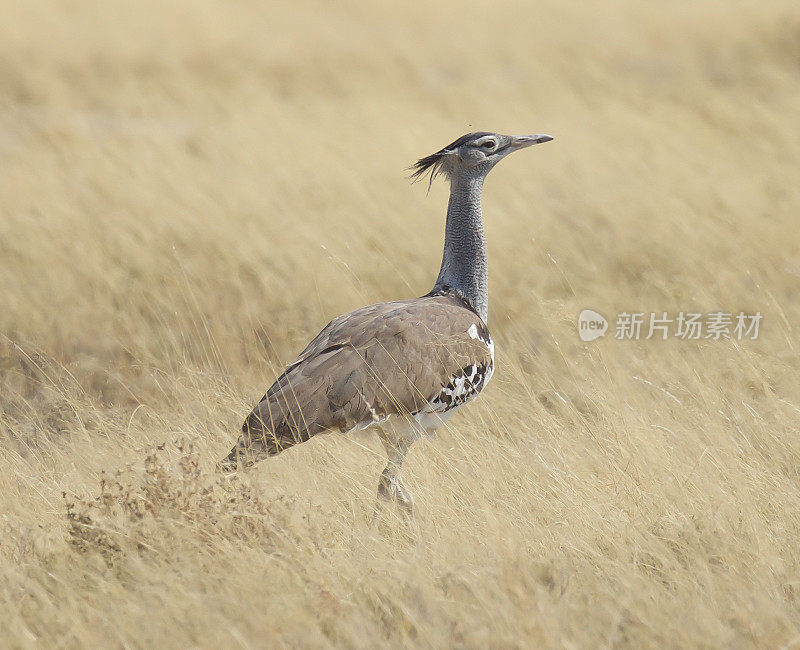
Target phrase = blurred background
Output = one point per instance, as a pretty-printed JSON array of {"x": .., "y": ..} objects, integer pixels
[{"x": 191, "y": 190}]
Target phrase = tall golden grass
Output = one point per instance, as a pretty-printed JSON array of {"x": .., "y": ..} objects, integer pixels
[{"x": 190, "y": 190}]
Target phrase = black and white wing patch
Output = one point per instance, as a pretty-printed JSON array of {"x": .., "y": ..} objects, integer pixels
[
  {"x": 462, "y": 387},
  {"x": 467, "y": 382}
]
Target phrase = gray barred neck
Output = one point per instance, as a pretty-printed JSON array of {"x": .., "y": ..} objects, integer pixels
[{"x": 465, "y": 266}]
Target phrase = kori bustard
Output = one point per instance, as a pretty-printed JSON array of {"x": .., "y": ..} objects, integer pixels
[{"x": 403, "y": 367}]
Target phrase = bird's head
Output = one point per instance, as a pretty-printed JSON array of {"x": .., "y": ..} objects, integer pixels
[{"x": 474, "y": 153}]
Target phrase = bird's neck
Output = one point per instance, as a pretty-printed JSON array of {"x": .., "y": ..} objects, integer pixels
[{"x": 465, "y": 266}]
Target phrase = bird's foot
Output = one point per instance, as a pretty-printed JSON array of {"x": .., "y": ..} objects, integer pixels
[{"x": 390, "y": 489}]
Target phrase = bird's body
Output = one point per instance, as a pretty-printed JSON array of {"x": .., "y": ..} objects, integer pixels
[
  {"x": 403, "y": 367},
  {"x": 385, "y": 360}
]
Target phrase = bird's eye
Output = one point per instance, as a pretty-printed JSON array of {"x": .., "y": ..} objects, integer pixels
[{"x": 489, "y": 144}]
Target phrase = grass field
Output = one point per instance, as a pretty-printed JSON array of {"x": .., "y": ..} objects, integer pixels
[{"x": 190, "y": 190}]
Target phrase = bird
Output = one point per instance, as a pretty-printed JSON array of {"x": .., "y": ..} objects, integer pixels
[{"x": 402, "y": 367}]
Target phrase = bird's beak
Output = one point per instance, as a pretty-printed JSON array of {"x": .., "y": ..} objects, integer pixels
[{"x": 522, "y": 141}]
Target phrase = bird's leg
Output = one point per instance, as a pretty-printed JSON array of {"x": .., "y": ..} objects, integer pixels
[{"x": 389, "y": 487}]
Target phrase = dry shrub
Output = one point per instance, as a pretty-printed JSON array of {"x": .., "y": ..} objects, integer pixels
[{"x": 169, "y": 505}]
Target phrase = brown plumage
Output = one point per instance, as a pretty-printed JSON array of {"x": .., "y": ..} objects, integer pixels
[{"x": 389, "y": 359}]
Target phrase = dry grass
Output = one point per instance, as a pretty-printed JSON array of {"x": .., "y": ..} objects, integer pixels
[{"x": 190, "y": 190}]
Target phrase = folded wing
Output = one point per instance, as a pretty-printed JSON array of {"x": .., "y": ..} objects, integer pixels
[{"x": 388, "y": 359}]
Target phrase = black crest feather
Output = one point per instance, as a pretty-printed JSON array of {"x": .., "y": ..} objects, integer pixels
[{"x": 433, "y": 164}]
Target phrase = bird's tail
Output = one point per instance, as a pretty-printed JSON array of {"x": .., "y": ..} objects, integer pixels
[
  {"x": 230, "y": 463},
  {"x": 255, "y": 443}
]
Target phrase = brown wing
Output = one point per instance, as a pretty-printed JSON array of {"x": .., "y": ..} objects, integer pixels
[{"x": 385, "y": 359}]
